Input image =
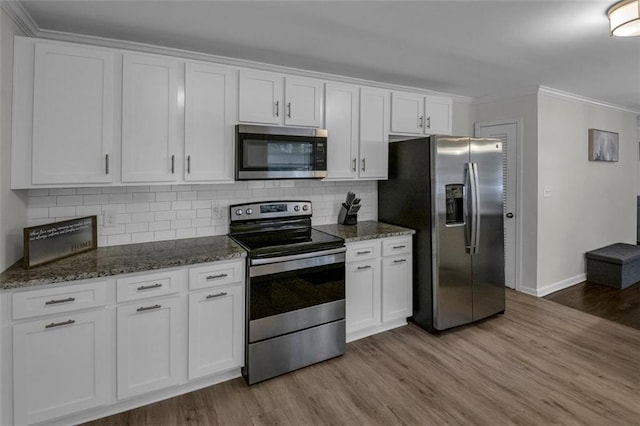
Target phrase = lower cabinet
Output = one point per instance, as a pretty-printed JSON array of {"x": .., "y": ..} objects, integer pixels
[
  {"x": 147, "y": 345},
  {"x": 59, "y": 366},
  {"x": 379, "y": 285}
]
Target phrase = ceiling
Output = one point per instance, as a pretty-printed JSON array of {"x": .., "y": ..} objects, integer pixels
[{"x": 479, "y": 49}]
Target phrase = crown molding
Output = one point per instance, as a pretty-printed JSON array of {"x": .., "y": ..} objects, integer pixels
[
  {"x": 525, "y": 91},
  {"x": 20, "y": 17},
  {"x": 544, "y": 90}
]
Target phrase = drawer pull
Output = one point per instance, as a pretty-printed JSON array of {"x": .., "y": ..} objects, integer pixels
[
  {"x": 215, "y": 277},
  {"x": 399, "y": 260},
  {"x": 213, "y": 296},
  {"x": 399, "y": 247},
  {"x": 148, "y": 287},
  {"x": 148, "y": 308},
  {"x": 58, "y": 324},
  {"x": 360, "y": 268},
  {"x": 53, "y": 302},
  {"x": 364, "y": 252}
]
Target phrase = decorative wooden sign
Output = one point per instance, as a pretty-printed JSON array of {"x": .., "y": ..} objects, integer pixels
[{"x": 53, "y": 241}]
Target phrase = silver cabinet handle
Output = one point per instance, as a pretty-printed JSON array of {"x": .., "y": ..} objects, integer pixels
[
  {"x": 364, "y": 164},
  {"x": 353, "y": 166},
  {"x": 106, "y": 164},
  {"x": 399, "y": 247},
  {"x": 148, "y": 308},
  {"x": 277, "y": 108},
  {"x": 213, "y": 296},
  {"x": 173, "y": 164},
  {"x": 399, "y": 260},
  {"x": 213, "y": 277},
  {"x": 289, "y": 109},
  {"x": 428, "y": 122},
  {"x": 55, "y": 301},
  {"x": 188, "y": 164},
  {"x": 364, "y": 252},
  {"x": 421, "y": 121},
  {"x": 149, "y": 287},
  {"x": 360, "y": 268},
  {"x": 58, "y": 324}
]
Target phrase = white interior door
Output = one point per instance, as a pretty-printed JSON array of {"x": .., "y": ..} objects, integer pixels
[{"x": 509, "y": 133}]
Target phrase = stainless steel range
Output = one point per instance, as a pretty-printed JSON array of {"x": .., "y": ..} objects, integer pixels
[{"x": 295, "y": 288}]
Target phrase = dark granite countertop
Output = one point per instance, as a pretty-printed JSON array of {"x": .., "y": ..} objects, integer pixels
[
  {"x": 367, "y": 230},
  {"x": 106, "y": 261}
]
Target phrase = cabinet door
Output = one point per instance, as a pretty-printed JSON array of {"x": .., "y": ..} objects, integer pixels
[
  {"x": 60, "y": 366},
  {"x": 397, "y": 287},
  {"x": 438, "y": 115},
  {"x": 261, "y": 97},
  {"x": 210, "y": 102},
  {"x": 341, "y": 122},
  {"x": 149, "y": 119},
  {"x": 374, "y": 133},
  {"x": 72, "y": 114},
  {"x": 362, "y": 294},
  {"x": 147, "y": 334},
  {"x": 303, "y": 102},
  {"x": 407, "y": 113},
  {"x": 216, "y": 330}
]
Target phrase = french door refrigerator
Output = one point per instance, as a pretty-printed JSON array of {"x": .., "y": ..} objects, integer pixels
[{"x": 450, "y": 190}]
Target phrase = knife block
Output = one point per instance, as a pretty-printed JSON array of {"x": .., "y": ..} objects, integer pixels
[{"x": 346, "y": 218}]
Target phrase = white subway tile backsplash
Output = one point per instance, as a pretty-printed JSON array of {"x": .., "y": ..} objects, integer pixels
[{"x": 161, "y": 212}]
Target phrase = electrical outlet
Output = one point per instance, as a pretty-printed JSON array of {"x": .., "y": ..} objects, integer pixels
[
  {"x": 110, "y": 217},
  {"x": 216, "y": 210}
]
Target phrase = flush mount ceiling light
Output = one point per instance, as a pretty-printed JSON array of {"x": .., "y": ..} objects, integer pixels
[{"x": 624, "y": 18}]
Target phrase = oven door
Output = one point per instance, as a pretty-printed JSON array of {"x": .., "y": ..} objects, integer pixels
[{"x": 292, "y": 293}]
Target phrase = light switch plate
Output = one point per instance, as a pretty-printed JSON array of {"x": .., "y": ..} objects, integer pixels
[{"x": 547, "y": 192}]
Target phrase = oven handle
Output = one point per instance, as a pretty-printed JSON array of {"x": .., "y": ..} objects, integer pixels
[
  {"x": 297, "y": 256},
  {"x": 306, "y": 261}
]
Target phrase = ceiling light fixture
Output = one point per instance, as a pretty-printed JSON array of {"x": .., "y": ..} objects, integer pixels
[{"x": 624, "y": 18}]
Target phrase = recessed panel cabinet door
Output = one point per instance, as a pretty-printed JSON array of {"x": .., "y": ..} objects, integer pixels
[
  {"x": 149, "y": 119},
  {"x": 59, "y": 366},
  {"x": 438, "y": 115},
  {"x": 303, "y": 102},
  {"x": 374, "y": 133},
  {"x": 261, "y": 97},
  {"x": 362, "y": 290},
  {"x": 210, "y": 105},
  {"x": 397, "y": 287},
  {"x": 72, "y": 114},
  {"x": 407, "y": 113},
  {"x": 147, "y": 354},
  {"x": 341, "y": 122}
]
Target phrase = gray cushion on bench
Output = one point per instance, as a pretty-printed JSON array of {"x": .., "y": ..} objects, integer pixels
[{"x": 616, "y": 265}]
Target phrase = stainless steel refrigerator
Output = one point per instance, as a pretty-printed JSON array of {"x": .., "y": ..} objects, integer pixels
[{"x": 450, "y": 190}]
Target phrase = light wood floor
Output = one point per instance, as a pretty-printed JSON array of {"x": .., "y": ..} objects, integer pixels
[{"x": 541, "y": 363}]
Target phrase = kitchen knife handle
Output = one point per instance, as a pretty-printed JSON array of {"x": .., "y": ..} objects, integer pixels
[{"x": 353, "y": 167}]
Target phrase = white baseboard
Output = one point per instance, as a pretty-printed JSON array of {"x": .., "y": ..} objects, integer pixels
[{"x": 551, "y": 288}]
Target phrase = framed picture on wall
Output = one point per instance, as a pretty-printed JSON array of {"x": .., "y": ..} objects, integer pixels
[{"x": 603, "y": 145}]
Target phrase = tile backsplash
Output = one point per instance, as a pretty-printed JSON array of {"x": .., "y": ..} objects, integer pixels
[{"x": 166, "y": 212}]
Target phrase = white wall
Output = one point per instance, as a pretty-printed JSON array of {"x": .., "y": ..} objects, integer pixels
[
  {"x": 463, "y": 118},
  {"x": 522, "y": 108},
  {"x": 13, "y": 209},
  {"x": 593, "y": 204}
]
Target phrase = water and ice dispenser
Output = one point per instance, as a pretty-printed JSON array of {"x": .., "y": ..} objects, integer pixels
[{"x": 454, "y": 194}]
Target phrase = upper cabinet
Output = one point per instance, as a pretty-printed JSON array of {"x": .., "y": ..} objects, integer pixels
[
  {"x": 149, "y": 118},
  {"x": 66, "y": 135},
  {"x": 271, "y": 98},
  {"x": 210, "y": 105},
  {"x": 374, "y": 133},
  {"x": 417, "y": 114}
]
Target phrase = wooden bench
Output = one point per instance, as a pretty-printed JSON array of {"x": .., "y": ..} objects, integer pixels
[{"x": 616, "y": 265}]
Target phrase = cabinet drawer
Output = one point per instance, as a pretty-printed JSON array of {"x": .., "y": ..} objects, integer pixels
[
  {"x": 369, "y": 249},
  {"x": 69, "y": 298},
  {"x": 393, "y": 246},
  {"x": 216, "y": 274},
  {"x": 148, "y": 285}
]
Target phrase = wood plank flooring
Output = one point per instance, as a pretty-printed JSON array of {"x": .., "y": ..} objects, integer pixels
[
  {"x": 621, "y": 306},
  {"x": 539, "y": 364}
]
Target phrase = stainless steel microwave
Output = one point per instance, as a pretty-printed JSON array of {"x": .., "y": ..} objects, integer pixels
[{"x": 264, "y": 152}]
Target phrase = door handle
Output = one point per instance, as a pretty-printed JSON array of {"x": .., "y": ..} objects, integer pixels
[
  {"x": 364, "y": 164},
  {"x": 289, "y": 109},
  {"x": 188, "y": 164},
  {"x": 510, "y": 215},
  {"x": 277, "y": 108},
  {"x": 173, "y": 164},
  {"x": 353, "y": 167}
]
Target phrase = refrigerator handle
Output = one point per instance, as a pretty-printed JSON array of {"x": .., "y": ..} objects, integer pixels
[
  {"x": 468, "y": 207},
  {"x": 475, "y": 233}
]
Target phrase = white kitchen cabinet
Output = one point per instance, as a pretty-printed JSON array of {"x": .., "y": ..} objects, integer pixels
[
  {"x": 417, "y": 114},
  {"x": 148, "y": 352},
  {"x": 60, "y": 366},
  {"x": 342, "y": 105},
  {"x": 397, "y": 278},
  {"x": 374, "y": 133},
  {"x": 63, "y": 115},
  {"x": 150, "y": 119},
  {"x": 271, "y": 98},
  {"x": 210, "y": 105},
  {"x": 362, "y": 294}
]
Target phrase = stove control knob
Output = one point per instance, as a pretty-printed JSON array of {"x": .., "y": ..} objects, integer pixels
[
  {"x": 239, "y": 212},
  {"x": 305, "y": 207},
  {"x": 296, "y": 208},
  {"x": 249, "y": 211}
]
